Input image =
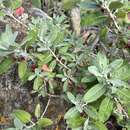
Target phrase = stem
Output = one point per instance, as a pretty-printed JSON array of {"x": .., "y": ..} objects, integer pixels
[
  {"x": 33, "y": 124},
  {"x": 54, "y": 55},
  {"x": 54, "y": 96},
  {"x": 105, "y": 7},
  {"x": 12, "y": 16},
  {"x": 57, "y": 59},
  {"x": 122, "y": 109},
  {"x": 95, "y": 43},
  {"x": 46, "y": 108}
]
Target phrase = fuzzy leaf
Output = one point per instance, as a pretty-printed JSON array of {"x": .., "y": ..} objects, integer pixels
[
  {"x": 44, "y": 122},
  {"x": 88, "y": 79},
  {"x": 102, "y": 61},
  {"x": 38, "y": 110},
  {"x": 105, "y": 109},
  {"x": 18, "y": 124},
  {"x": 7, "y": 38},
  {"x": 23, "y": 116},
  {"x": 22, "y": 69},
  {"x": 75, "y": 122},
  {"x": 94, "y": 93},
  {"x": 71, "y": 97},
  {"x": 37, "y": 83},
  {"x": 5, "y": 64},
  {"x": 124, "y": 95},
  {"x": 71, "y": 113},
  {"x": 100, "y": 126},
  {"x": 94, "y": 70},
  {"x": 122, "y": 73},
  {"x": 116, "y": 64}
]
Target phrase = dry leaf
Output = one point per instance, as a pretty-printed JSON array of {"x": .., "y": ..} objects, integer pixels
[
  {"x": 46, "y": 68},
  {"x": 4, "y": 120}
]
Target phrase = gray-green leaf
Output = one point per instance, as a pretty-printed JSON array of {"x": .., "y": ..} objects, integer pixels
[
  {"x": 71, "y": 113},
  {"x": 22, "y": 69},
  {"x": 94, "y": 93},
  {"x": 105, "y": 109},
  {"x": 44, "y": 122},
  {"x": 38, "y": 110},
  {"x": 23, "y": 116},
  {"x": 94, "y": 70}
]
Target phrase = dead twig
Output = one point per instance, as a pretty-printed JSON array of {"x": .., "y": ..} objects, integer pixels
[
  {"x": 18, "y": 21},
  {"x": 113, "y": 18},
  {"x": 54, "y": 55},
  {"x": 120, "y": 108},
  {"x": 46, "y": 107},
  {"x": 58, "y": 60},
  {"x": 95, "y": 43}
]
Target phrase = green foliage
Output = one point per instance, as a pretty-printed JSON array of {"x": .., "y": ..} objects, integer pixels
[
  {"x": 94, "y": 93},
  {"x": 7, "y": 41},
  {"x": 21, "y": 118},
  {"x": 38, "y": 111},
  {"x": 44, "y": 122},
  {"x": 5, "y": 65},
  {"x": 105, "y": 109},
  {"x": 22, "y": 69},
  {"x": 87, "y": 70}
]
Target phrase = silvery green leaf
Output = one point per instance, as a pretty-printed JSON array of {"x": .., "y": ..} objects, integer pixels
[
  {"x": 102, "y": 61},
  {"x": 86, "y": 124},
  {"x": 38, "y": 111},
  {"x": 105, "y": 109},
  {"x": 31, "y": 77},
  {"x": 122, "y": 73},
  {"x": 71, "y": 97},
  {"x": 7, "y": 38},
  {"x": 18, "y": 124},
  {"x": 91, "y": 112},
  {"x": 114, "y": 90},
  {"x": 94, "y": 70},
  {"x": 94, "y": 93},
  {"x": 118, "y": 83},
  {"x": 71, "y": 113},
  {"x": 116, "y": 64}
]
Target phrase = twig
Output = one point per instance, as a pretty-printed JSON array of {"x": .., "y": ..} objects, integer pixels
[
  {"x": 28, "y": 127},
  {"x": 54, "y": 55},
  {"x": 95, "y": 43},
  {"x": 46, "y": 108},
  {"x": 57, "y": 59},
  {"x": 122, "y": 109},
  {"x": 105, "y": 7},
  {"x": 12, "y": 16},
  {"x": 54, "y": 96},
  {"x": 104, "y": 47}
]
